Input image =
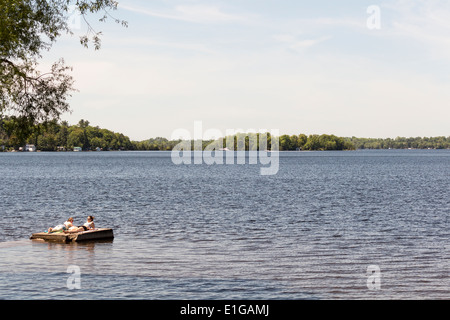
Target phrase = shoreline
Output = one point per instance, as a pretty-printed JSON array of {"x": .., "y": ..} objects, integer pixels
[{"x": 269, "y": 151}]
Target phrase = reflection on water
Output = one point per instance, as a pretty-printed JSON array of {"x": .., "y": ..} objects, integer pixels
[{"x": 87, "y": 245}]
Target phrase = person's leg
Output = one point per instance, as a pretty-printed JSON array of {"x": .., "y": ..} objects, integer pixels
[{"x": 74, "y": 230}]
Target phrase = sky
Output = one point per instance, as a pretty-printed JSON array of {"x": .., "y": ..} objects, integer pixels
[{"x": 373, "y": 69}]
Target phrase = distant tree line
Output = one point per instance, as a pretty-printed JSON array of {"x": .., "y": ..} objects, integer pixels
[
  {"x": 401, "y": 143},
  {"x": 250, "y": 141},
  {"x": 54, "y": 136},
  {"x": 314, "y": 142}
]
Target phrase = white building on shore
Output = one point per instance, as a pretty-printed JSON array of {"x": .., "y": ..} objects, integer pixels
[{"x": 30, "y": 148}]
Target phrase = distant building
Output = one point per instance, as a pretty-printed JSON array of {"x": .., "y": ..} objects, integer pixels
[
  {"x": 30, "y": 148},
  {"x": 77, "y": 149}
]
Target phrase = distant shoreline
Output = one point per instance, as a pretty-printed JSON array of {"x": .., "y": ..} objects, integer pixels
[
  {"x": 62, "y": 137},
  {"x": 286, "y": 151}
]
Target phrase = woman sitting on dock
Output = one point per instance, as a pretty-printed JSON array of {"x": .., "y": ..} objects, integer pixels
[
  {"x": 89, "y": 225},
  {"x": 62, "y": 227}
]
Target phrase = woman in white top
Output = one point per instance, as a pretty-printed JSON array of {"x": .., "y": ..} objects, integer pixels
[
  {"x": 62, "y": 227},
  {"x": 89, "y": 225}
]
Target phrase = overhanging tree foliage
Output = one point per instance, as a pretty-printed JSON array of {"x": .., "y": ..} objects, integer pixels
[{"x": 27, "y": 29}]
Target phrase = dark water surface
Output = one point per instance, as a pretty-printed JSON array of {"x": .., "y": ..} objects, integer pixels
[{"x": 226, "y": 232}]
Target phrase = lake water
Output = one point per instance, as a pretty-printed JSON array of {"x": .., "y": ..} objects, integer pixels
[{"x": 226, "y": 232}]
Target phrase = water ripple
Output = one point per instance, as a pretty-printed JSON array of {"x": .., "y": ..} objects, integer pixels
[{"x": 225, "y": 232}]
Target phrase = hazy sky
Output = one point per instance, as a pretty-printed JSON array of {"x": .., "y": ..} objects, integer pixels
[{"x": 292, "y": 65}]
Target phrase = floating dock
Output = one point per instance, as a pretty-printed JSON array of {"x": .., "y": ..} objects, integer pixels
[{"x": 90, "y": 235}]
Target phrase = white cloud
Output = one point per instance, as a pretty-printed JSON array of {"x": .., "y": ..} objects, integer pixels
[
  {"x": 190, "y": 13},
  {"x": 296, "y": 44},
  {"x": 426, "y": 22},
  {"x": 174, "y": 46},
  {"x": 349, "y": 22},
  {"x": 202, "y": 13}
]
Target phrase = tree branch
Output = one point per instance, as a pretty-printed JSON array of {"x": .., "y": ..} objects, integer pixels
[{"x": 16, "y": 68}]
